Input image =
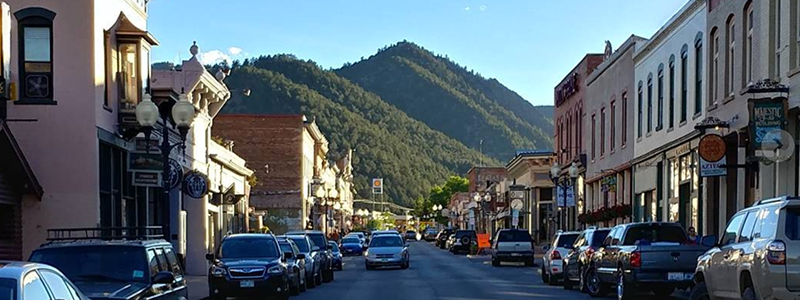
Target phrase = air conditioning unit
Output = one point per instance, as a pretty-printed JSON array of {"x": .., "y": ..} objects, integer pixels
[{"x": 37, "y": 86}]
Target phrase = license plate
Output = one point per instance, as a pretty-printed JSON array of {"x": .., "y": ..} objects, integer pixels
[
  {"x": 516, "y": 254},
  {"x": 247, "y": 284},
  {"x": 676, "y": 276}
]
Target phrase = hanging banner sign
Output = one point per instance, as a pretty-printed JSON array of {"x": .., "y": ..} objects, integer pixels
[
  {"x": 571, "y": 195},
  {"x": 712, "y": 150},
  {"x": 195, "y": 184},
  {"x": 559, "y": 196},
  {"x": 766, "y": 115}
]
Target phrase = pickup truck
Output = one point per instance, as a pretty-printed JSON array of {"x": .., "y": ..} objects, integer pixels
[{"x": 651, "y": 256}]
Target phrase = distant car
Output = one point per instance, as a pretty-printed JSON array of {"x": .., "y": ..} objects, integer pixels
[
  {"x": 758, "y": 256},
  {"x": 579, "y": 257},
  {"x": 297, "y": 265},
  {"x": 326, "y": 255},
  {"x": 411, "y": 235},
  {"x": 138, "y": 267},
  {"x": 352, "y": 246},
  {"x": 360, "y": 235},
  {"x": 429, "y": 235},
  {"x": 249, "y": 264},
  {"x": 337, "y": 256},
  {"x": 552, "y": 261},
  {"x": 442, "y": 236},
  {"x": 313, "y": 264},
  {"x": 463, "y": 241},
  {"x": 382, "y": 232},
  {"x": 512, "y": 245},
  {"x": 34, "y": 281},
  {"x": 387, "y": 250}
]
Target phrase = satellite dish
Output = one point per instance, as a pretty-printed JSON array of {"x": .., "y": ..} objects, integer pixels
[{"x": 777, "y": 145}]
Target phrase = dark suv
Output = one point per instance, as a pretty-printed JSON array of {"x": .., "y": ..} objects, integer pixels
[
  {"x": 250, "y": 264},
  {"x": 464, "y": 239},
  {"x": 441, "y": 238},
  {"x": 115, "y": 263},
  {"x": 578, "y": 257},
  {"x": 321, "y": 246}
]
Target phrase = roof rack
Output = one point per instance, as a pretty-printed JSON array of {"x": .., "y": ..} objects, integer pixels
[
  {"x": 778, "y": 199},
  {"x": 105, "y": 233}
]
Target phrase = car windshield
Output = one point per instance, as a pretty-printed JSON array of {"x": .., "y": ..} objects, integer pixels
[
  {"x": 97, "y": 263},
  {"x": 566, "y": 240},
  {"x": 285, "y": 247},
  {"x": 8, "y": 289},
  {"x": 655, "y": 233},
  {"x": 350, "y": 241},
  {"x": 318, "y": 240},
  {"x": 514, "y": 236},
  {"x": 598, "y": 236},
  {"x": 301, "y": 243},
  {"x": 248, "y": 248},
  {"x": 334, "y": 247},
  {"x": 386, "y": 241},
  {"x": 410, "y": 232}
]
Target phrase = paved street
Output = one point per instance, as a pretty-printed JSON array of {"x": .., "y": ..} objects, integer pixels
[{"x": 437, "y": 274}]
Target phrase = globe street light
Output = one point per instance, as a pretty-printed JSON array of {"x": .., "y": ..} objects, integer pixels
[
  {"x": 555, "y": 173},
  {"x": 182, "y": 115}
]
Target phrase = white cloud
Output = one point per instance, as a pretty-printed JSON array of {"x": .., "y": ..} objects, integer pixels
[
  {"x": 483, "y": 7},
  {"x": 467, "y": 8},
  {"x": 212, "y": 57},
  {"x": 235, "y": 50}
]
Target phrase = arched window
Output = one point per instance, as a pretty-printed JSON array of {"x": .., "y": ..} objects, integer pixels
[
  {"x": 660, "y": 96},
  {"x": 713, "y": 86},
  {"x": 649, "y": 102},
  {"x": 671, "y": 92},
  {"x": 684, "y": 82},
  {"x": 639, "y": 116},
  {"x": 35, "y": 31},
  {"x": 777, "y": 31},
  {"x": 730, "y": 56},
  {"x": 747, "y": 64},
  {"x": 698, "y": 73}
]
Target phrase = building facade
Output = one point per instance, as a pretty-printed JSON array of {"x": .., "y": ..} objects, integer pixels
[
  {"x": 609, "y": 104},
  {"x": 531, "y": 171},
  {"x": 570, "y": 142}
]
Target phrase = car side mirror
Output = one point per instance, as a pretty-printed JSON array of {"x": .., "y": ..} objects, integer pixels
[
  {"x": 164, "y": 277},
  {"x": 709, "y": 241},
  {"x": 315, "y": 248},
  {"x": 545, "y": 247},
  {"x": 288, "y": 255},
  {"x": 301, "y": 256},
  {"x": 210, "y": 256}
]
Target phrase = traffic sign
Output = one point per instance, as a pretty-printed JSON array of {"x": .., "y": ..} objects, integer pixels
[{"x": 377, "y": 185}]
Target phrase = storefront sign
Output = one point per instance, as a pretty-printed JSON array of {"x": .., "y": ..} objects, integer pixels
[
  {"x": 195, "y": 184},
  {"x": 175, "y": 173},
  {"x": 141, "y": 146},
  {"x": 145, "y": 162},
  {"x": 712, "y": 150},
  {"x": 609, "y": 184},
  {"x": 566, "y": 89},
  {"x": 766, "y": 115},
  {"x": 146, "y": 179}
]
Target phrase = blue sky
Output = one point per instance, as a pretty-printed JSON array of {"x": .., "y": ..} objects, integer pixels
[{"x": 528, "y": 45}]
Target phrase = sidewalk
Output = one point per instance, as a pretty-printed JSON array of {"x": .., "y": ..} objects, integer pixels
[{"x": 198, "y": 287}]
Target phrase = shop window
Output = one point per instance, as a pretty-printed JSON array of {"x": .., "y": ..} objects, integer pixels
[{"x": 35, "y": 29}]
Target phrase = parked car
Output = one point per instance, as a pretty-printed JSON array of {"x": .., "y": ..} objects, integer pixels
[
  {"x": 552, "y": 260},
  {"x": 352, "y": 246},
  {"x": 296, "y": 263},
  {"x": 133, "y": 267},
  {"x": 382, "y": 232},
  {"x": 758, "y": 256},
  {"x": 512, "y": 245},
  {"x": 313, "y": 264},
  {"x": 387, "y": 250},
  {"x": 360, "y": 235},
  {"x": 442, "y": 236},
  {"x": 337, "y": 256},
  {"x": 653, "y": 256},
  {"x": 574, "y": 268},
  {"x": 34, "y": 281},
  {"x": 326, "y": 255},
  {"x": 429, "y": 235},
  {"x": 410, "y": 235},
  {"x": 463, "y": 241},
  {"x": 249, "y": 264}
]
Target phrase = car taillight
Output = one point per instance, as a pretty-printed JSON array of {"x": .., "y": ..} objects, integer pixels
[
  {"x": 776, "y": 253},
  {"x": 555, "y": 255},
  {"x": 636, "y": 259}
]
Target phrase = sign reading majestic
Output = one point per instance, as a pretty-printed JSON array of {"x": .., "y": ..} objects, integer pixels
[
  {"x": 766, "y": 114},
  {"x": 566, "y": 89}
]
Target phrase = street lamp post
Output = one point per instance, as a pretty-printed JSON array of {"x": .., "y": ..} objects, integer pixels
[
  {"x": 555, "y": 173},
  {"x": 182, "y": 115}
]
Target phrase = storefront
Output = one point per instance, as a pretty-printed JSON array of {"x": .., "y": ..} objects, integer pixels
[{"x": 17, "y": 182}]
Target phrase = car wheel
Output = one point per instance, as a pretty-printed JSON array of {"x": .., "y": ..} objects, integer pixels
[
  {"x": 295, "y": 290},
  {"x": 404, "y": 266},
  {"x": 311, "y": 282},
  {"x": 217, "y": 296},
  {"x": 318, "y": 278},
  {"x": 699, "y": 292},
  {"x": 529, "y": 263},
  {"x": 581, "y": 280},
  {"x": 568, "y": 284},
  {"x": 663, "y": 290},
  {"x": 368, "y": 267},
  {"x": 749, "y": 293},
  {"x": 624, "y": 291},
  {"x": 304, "y": 284},
  {"x": 545, "y": 277},
  {"x": 495, "y": 262},
  {"x": 594, "y": 286}
]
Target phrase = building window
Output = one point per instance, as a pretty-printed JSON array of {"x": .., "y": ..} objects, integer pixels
[
  {"x": 714, "y": 86},
  {"x": 698, "y": 73},
  {"x": 579, "y": 129},
  {"x": 660, "y": 91},
  {"x": 35, "y": 27},
  {"x": 684, "y": 82},
  {"x": 593, "y": 135},
  {"x": 730, "y": 57},
  {"x": 624, "y": 118},
  {"x": 650, "y": 103},
  {"x": 131, "y": 71},
  {"x": 613, "y": 131},
  {"x": 748, "y": 47},
  {"x": 639, "y": 111},
  {"x": 602, "y": 131},
  {"x": 778, "y": 5},
  {"x": 671, "y": 91}
]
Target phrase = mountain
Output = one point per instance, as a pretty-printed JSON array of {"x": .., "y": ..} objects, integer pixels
[
  {"x": 409, "y": 155},
  {"x": 547, "y": 111},
  {"x": 481, "y": 113}
]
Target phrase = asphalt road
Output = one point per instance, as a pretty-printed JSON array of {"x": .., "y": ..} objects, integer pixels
[{"x": 437, "y": 274}]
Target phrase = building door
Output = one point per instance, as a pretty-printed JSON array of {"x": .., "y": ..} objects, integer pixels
[
  {"x": 546, "y": 221},
  {"x": 10, "y": 221},
  {"x": 685, "y": 209}
]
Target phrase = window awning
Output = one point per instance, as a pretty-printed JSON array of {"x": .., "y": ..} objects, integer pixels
[
  {"x": 124, "y": 27},
  {"x": 13, "y": 161}
]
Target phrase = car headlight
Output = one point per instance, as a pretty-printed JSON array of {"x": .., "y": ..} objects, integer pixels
[
  {"x": 275, "y": 270},
  {"x": 217, "y": 271}
]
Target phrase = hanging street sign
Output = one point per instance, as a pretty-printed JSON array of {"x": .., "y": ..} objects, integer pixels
[
  {"x": 195, "y": 184},
  {"x": 146, "y": 179},
  {"x": 712, "y": 150},
  {"x": 175, "y": 173},
  {"x": 766, "y": 115},
  {"x": 145, "y": 162}
]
